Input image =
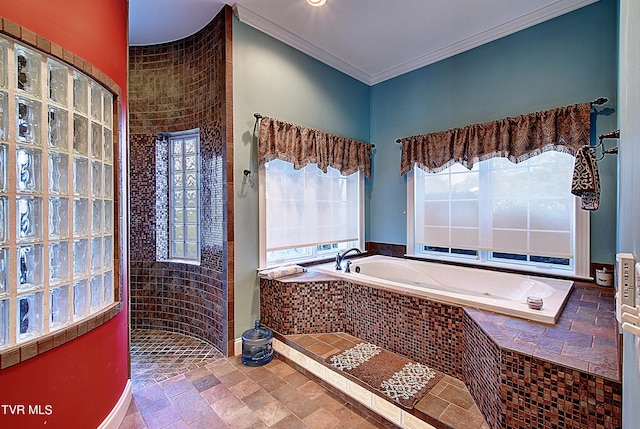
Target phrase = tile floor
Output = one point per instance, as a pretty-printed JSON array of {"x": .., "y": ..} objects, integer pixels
[
  {"x": 179, "y": 382},
  {"x": 159, "y": 355},
  {"x": 448, "y": 402}
]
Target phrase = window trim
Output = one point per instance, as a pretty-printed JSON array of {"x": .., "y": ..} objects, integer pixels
[
  {"x": 163, "y": 196},
  {"x": 581, "y": 257},
  {"x": 182, "y": 135},
  {"x": 262, "y": 219}
]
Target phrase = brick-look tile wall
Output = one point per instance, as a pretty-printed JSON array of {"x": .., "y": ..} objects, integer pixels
[{"x": 173, "y": 87}]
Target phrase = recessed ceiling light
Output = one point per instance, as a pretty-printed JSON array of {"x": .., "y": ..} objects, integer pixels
[{"x": 316, "y": 3}]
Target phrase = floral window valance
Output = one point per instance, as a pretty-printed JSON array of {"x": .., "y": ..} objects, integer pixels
[
  {"x": 300, "y": 146},
  {"x": 564, "y": 129}
]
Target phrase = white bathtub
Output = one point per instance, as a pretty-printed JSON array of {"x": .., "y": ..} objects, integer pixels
[{"x": 489, "y": 290}]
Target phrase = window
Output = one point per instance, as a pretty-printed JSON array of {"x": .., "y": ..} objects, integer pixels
[
  {"x": 56, "y": 195},
  {"x": 184, "y": 201},
  {"x": 504, "y": 214},
  {"x": 306, "y": 214}
]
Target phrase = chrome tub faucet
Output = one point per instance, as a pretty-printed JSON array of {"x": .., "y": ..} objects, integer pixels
[{"x": 341, "y": 256}]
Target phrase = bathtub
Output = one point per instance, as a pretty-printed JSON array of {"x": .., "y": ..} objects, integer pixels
[{"x": 469, "y": 287}]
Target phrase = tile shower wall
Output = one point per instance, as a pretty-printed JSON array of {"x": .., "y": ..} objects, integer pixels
[{"x": 173, "y": 87}]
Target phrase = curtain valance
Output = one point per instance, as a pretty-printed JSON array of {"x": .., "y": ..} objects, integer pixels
[
  {"x": 300, "y": 146},
  {"x": 564, "y": 129}
]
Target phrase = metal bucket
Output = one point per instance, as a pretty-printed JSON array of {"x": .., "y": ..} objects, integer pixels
[{"x": 256, "y": 346}]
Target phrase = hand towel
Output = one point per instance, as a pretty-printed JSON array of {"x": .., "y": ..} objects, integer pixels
[
  {"x": 586, "y": 179},
  {"x": 287, "y": 270}
]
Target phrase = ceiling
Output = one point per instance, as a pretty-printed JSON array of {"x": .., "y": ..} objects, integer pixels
[{"x": 370, "y": 40}]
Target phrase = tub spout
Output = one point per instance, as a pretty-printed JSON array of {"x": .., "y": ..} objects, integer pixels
[{"x": 341, "y": 256}]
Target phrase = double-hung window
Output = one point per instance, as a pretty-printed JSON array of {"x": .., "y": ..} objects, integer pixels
[
  {"x": 306, "y": 214},
  {"x": 520, "y": 216}
]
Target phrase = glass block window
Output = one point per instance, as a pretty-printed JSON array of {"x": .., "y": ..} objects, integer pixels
[
  {"x": 184, "y": 200},
  {"x": 56, "y": 195}
]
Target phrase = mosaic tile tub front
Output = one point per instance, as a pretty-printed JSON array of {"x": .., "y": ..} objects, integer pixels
[
  {"x": 511, "y": 385},
  {"x": 426, "y": 331}
]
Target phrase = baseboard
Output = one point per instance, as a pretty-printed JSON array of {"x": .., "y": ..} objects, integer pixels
[
  {"x": 237, "y": 347},
  {"x": 117, "y": 414}
]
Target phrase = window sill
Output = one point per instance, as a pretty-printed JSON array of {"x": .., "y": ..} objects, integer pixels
[
  {"x": 512, "y": 268},
  {"x": 180, "y": 261},
  {"x": 311, "y": 261},
  {"x": 24, "y": 351}
]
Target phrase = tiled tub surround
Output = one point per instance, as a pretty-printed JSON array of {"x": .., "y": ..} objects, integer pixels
[
  {"x": 319, "y": 303},
  {"x": 173, "y": 87},
  {"x": 521, "y": 374}
]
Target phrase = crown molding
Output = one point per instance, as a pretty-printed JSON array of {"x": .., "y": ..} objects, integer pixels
[{"x": 280, "y": 33}]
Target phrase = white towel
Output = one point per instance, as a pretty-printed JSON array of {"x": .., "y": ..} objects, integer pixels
[
  {"x": 586, "y": 179},
  {"x": 286, "y": 270}
]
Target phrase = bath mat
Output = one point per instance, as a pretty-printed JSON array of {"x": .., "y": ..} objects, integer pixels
[{"x": 398, "y": 378}]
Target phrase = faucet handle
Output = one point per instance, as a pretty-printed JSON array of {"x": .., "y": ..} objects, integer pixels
[{"x": 347, "y": 268}]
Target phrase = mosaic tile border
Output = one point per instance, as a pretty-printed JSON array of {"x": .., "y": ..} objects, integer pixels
[
  {"x": 31, "y": 349},
  {"x": 43, "y": 44}
]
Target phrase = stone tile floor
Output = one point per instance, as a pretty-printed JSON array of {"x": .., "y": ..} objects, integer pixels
[
  {"x": 180, "y": 382},
  {"x": 159, "y": 355},
  {"x": 449, "y": 401}
]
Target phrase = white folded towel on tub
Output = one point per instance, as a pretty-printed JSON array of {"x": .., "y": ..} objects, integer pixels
[{"x": 286, "y": 270}]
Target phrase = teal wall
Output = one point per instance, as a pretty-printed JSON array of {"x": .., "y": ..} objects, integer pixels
[
  {"x": 570, "y": 59},
  {"x": 275, "y": 80}
]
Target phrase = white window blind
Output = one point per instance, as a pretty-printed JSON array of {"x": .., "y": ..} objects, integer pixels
[
  {"x": 307, "y": 207},
  {"x": 524, "y": 208}
]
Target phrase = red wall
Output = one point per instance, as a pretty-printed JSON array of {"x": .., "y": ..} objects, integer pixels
[{"x": 80, "y": 381}]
